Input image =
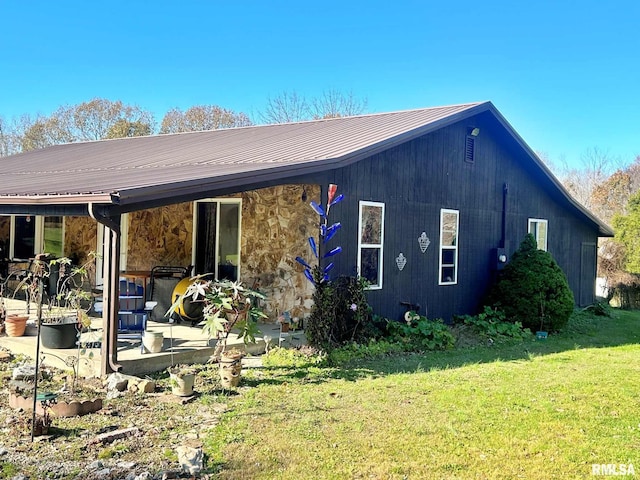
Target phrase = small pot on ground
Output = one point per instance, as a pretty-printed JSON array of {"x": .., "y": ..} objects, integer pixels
[
  {"x": 182, "y": 380},
  {"x": 15, "y": 325},
  {"x": 152, "y": 341},
  {"x": 231, "y": 368}
]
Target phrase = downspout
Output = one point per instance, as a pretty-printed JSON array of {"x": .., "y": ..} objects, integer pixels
[{"x": 110, "y": 281}]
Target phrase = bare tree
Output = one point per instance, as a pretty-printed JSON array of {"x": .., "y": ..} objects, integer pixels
[
  {"x": 291, "y": 107},
  {"x": 595, "y": 167},
  {"x": 334, "y": 104},
  {"x": 202, "y": 117},
  {"x": 284, "y": 108}
]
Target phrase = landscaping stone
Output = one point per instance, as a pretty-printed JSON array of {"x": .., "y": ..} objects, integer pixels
[
  {"x": 24, "y": 372},
  {"x": 190, "y": 459}
]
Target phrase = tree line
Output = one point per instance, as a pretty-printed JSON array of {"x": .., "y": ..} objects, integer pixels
[
  {"x": 610, "y": 188},
  {"x": 100, "y": 118}
]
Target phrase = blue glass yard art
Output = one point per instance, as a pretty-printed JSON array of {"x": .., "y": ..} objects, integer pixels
[{"x": 326, "y": 234}]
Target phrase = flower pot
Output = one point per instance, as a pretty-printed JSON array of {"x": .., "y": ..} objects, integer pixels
[
  {"x": 153, "y": 341},
  {"x": 15, "y": 325},
  {"x": 182, "y": 384},
  {"x": 230, "y": 369},
  {"x": 62, "y": 334}
]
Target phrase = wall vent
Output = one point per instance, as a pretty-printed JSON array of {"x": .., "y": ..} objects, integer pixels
[{"x": 469, "y": 149}]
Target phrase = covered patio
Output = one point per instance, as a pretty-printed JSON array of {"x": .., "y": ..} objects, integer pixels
[{"x": 183, "y": 344}]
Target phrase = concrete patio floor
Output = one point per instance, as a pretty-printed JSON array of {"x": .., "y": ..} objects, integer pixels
[{"x": 183, "y": 344}]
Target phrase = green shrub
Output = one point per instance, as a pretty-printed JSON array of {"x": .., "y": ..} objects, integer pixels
[
  {"x": 533, "y": 290},
  {"x": 353, "y": 350},
  {"x": 493, "y": 324},
  {"x": 599, "y": 309},
  {"x": 420, "y": 333},
  {"x": 287, "y": 357},
  {"x": 340, "y": 312}
]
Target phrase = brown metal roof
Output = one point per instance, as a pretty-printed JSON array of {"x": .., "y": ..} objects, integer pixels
[
  {"x": 114, "y": 170},
  {"x": 161, "y": 167}
]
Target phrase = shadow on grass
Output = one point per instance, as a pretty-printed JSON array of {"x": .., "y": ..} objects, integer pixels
[{"x": 584, "y": 331}]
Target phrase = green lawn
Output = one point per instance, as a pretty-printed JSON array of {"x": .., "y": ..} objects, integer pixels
[{"x": 534, "y": 410}]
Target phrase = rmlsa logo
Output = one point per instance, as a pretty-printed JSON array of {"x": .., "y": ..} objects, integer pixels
[{"x": 612, "y": 469}]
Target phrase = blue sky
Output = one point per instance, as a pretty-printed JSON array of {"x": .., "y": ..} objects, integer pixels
[{"x": 565, "y": 74}]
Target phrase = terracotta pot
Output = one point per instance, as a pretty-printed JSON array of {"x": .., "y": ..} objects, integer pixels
[{"x": 15, "y": 325}]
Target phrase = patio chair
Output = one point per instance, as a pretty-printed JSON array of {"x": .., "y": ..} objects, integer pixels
[{"x": 162, "y": 282}]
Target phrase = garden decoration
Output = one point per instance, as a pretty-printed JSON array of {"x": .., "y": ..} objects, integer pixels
[
  {"x": 424, "y": 242},
  {"x": 320, "y": 274},
  {"x": 340, "y": 308},
  {"x": 401, "y": 261}
]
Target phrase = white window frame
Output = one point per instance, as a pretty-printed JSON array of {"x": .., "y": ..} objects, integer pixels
[
  {"x": 454, "y": 248},
  {"x": 38, "y": 236},
  {"x": 219, "y": 201},
  {"x": 534, "y": 228},
  {"x": 379, "y": 246}
]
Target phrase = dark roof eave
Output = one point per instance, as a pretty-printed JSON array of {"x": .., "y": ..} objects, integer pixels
[{"x": 69, "y": 199}]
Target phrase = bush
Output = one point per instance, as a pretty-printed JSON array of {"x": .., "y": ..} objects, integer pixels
[
  {"x": 420, "y": 333},
  {"x": 340, "y": 313},
  {"x": 533, "y": 290},
  {"x": 493, "y": 324}
]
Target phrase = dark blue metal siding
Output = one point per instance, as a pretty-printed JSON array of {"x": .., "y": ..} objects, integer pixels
[{"x": 417, "y": 179}]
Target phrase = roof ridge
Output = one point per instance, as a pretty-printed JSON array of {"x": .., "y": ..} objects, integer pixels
[{"x": 271, "y": 125}]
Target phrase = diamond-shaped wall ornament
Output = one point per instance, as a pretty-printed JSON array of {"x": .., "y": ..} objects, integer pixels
[
  {"x": 424, "y": 242},
  {"x": 401, "y": 261}
]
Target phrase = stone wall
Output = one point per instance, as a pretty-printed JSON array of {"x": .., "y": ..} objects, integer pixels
[
  {"x": 276, "y": 223},
  {"x": 160, "y": 236},
  {"x": 275, "y": 226},
  {"x": 80, "y": 237}
]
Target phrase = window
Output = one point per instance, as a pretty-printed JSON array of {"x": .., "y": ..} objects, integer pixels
[
  {"x": 23, "y": 236},
  {"x": 448, "y": 247},
  {"x": 217, "y": 238},
  {"x": 370, "y": 243},
  {"x": 538, "y": 227}
]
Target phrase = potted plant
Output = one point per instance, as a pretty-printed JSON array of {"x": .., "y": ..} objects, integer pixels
[
  {"x": 231, "y": 367},
  {"x": 182, "y": 379},
  {"x": 61, "y": 291},
  {"x": 15, "y": 324},
  {"x": 226, "y": 305}
]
